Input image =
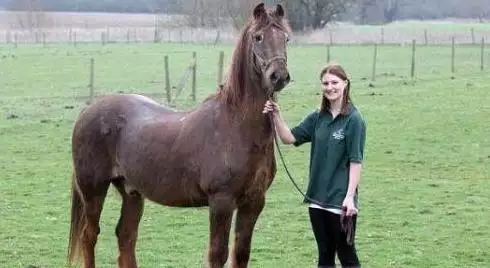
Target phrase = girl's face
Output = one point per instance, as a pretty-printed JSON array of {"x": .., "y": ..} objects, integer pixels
[{"x": 333, "y": 87}]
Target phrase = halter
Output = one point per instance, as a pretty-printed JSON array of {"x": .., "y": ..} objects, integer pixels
[{"x": 264, "y": 64}]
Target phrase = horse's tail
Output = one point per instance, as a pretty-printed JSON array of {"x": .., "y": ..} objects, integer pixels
[{"x": 76, "y": 223}]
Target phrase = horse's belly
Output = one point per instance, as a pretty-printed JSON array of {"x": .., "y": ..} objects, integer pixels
[
  {"x": 158, "y": 176},
  {"x": 179, "y": 201},
  {"x": 175, "y": 192}
]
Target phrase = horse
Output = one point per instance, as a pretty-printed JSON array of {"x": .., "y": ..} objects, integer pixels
[{"x": 219, "y": 154}]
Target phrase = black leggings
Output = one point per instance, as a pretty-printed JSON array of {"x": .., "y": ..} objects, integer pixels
[{"x": 331, "y": 239}]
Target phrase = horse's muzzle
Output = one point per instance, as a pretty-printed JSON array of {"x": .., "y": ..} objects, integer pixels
[{"x": 279, "y": 79}]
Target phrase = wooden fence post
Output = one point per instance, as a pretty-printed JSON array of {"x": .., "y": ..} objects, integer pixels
[
  {"x": 328, "y": 53},
  {"x": 482, "y": 54},
  {"x": 155, "y": 34},
  {"x": 220, "y": 67},
  {"x": 216, "y": 40},
  {"x": 453, "y": 55},
  {"x": 373, "y": 74},
  {"x": 91, "y": 81},
  {"x": 382, "y": 35},
  {"x": 412, "y": 69},
  {"x": 167, "y": 80},
  {"x": 194, "y": 71},
  {"x": 473, "y": 36}
]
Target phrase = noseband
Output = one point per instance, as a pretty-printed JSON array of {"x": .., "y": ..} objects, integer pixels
[{"x": 263, "y": 64}]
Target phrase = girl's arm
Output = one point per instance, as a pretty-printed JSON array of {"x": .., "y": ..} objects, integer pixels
[
  {"x": 282, "y": 129},
  {"x": 354, "y": 178}
]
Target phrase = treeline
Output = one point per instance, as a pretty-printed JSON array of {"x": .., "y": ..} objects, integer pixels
[{"x": 303, "y": 14}]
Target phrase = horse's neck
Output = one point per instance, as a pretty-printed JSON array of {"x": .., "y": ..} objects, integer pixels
[
  {"x": 245, "y": 112},
  {"x": 249, "y": 119}
]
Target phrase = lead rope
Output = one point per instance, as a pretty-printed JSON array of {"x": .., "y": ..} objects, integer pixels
[{"x": 346, "y": 222}]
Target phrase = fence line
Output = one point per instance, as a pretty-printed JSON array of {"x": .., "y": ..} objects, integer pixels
[
  {"x": 332, "y": 35},
  {"x": 413, "y": 57},
  {"x": 189, "y": 71}
]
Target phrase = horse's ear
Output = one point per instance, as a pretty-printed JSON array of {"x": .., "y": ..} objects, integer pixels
[
  {"x": 279, "y": 11},
  {"x": 259, "y": 11}
]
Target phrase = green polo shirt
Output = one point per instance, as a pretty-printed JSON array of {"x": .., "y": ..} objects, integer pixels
[{"x": 335, "y": 143}]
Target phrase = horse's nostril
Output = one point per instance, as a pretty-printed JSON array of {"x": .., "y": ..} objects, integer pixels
[
  {"x": 288, "y": 78},
  {"x": 274, "y": 77}
]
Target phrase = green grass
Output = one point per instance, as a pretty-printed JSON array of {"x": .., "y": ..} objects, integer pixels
[{"x": 425, "y": 189}]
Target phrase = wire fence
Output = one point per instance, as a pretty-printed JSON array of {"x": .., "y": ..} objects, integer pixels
[
  {"x": 334, "y": 34},
  {"x": 181, "y": 75}
]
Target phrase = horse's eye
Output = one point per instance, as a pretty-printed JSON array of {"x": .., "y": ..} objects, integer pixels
[
  {"x": 259, "y": 38},
  {"x": 287, "y": 37}
]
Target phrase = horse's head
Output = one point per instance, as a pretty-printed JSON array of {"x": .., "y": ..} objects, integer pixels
[{"x": 268, "y": 36}]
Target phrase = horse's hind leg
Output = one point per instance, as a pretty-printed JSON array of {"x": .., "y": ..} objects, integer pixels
[
  {"x": 127, "y": 227},
  {"x": 93, "y": 194},
  {"x": 247, "y": 215}
]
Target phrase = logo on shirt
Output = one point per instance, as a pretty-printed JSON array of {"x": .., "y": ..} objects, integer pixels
[{"x": 339, "y": 134}]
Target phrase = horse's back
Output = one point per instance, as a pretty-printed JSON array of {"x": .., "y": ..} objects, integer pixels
[
  {"x": 128, "y": 105},
  {"x": 111, "y": 110},
  {"x": 101, "y": 123}
]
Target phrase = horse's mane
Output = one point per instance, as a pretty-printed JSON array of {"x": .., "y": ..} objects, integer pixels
[{"x": 237, "y": 87}]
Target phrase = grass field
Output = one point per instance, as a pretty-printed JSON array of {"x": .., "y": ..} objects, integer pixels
[{"x": 425, "y": 189}]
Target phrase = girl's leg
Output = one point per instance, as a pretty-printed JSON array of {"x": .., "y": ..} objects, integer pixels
[
  {"x": 347, "y": 253},
  {"x": 322, "y": 229}
]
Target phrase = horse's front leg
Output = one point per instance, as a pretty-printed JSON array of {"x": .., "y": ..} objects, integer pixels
[
  {"x": 221, "y": 208},
  {"x": 247, "y": 216}
]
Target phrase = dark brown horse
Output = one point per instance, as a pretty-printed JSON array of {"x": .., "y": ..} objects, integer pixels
[{"x": 220, "y": 154}]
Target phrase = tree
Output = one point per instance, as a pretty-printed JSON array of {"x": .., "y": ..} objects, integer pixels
[
  {"x": 390, "y": 10},
  {"x": 363, "y": 10},
  {"x": 479, "y": 9},
  {"x": 238, "y": 11},
  {"x": 204, "y": 13},
  {"x": 216, "y": 13},
  {"x": 32, "y": 17},
  {"x": 314, "y": 14}
]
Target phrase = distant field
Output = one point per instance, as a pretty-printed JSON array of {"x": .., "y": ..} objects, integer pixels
[
  {"x": 425, "y": 185},
  {"x": 114, "y": 27}
]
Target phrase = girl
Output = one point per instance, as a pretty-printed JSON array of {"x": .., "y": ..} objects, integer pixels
[{"x": 337, "y": 133}]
